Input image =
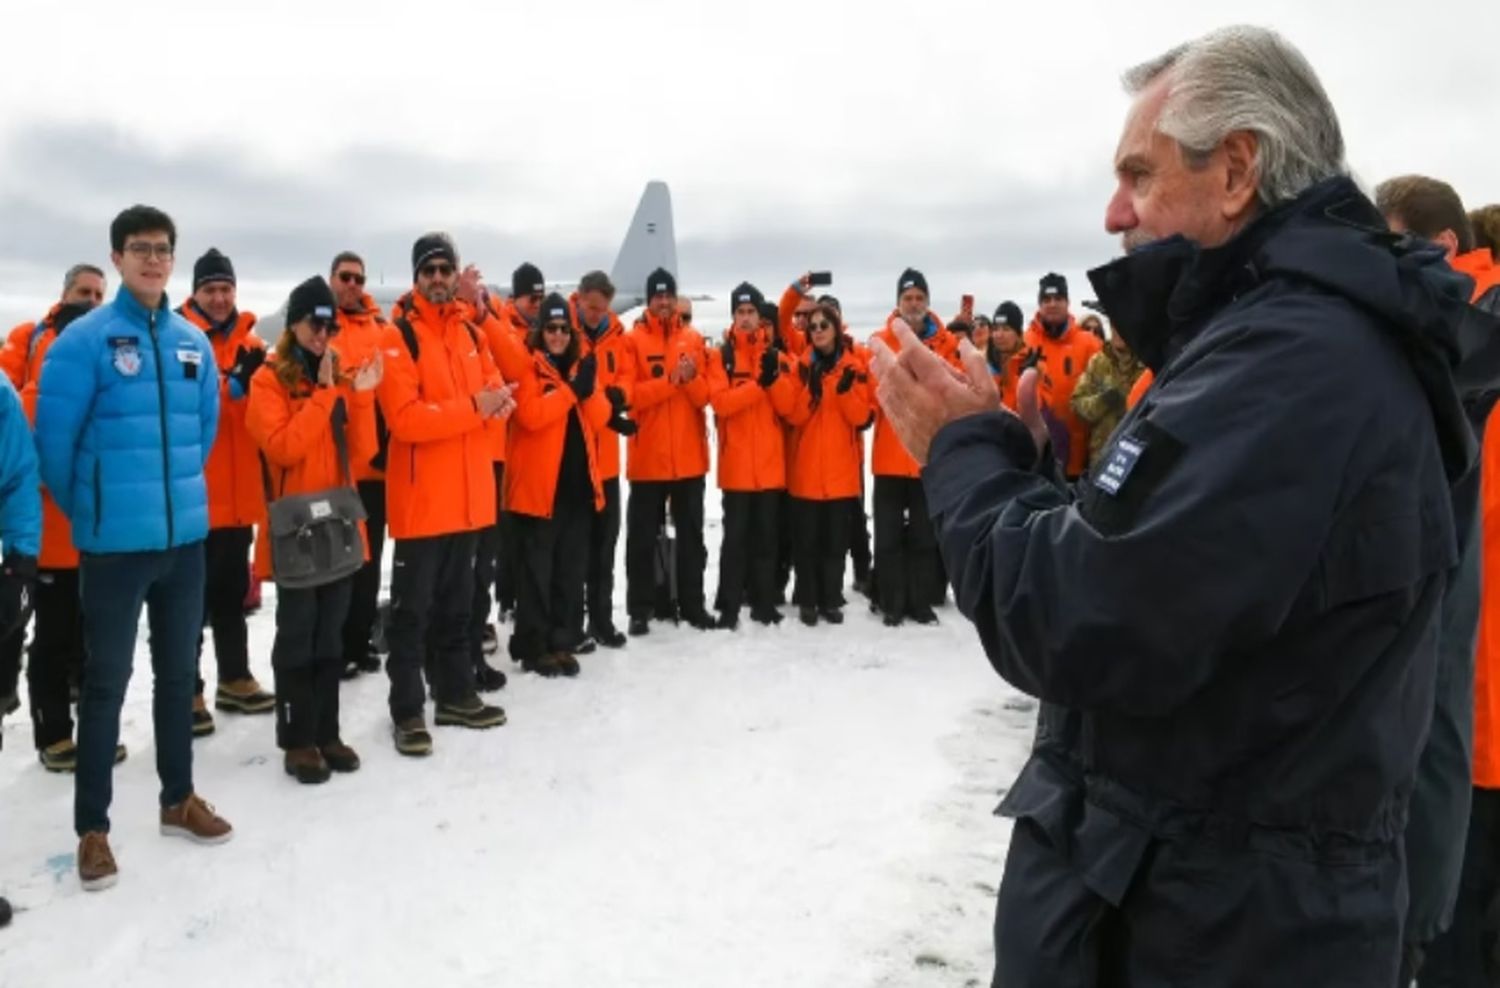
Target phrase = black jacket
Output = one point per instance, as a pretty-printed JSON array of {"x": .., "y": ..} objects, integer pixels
[{"x": 1238, "y": 608}]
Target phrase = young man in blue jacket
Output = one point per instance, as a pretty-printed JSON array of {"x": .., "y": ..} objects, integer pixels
[
  {"x": 127, "y": 411},
  {"x": 20, "y": 525}
]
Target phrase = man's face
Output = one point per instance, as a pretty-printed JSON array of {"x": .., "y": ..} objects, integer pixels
[
  {"x": 216, "y": 299},
  {"x": 1158, "y": 194},
  {"x": 529, "y": 305},
  {"x": 349, "y": 285},
  {"x": 145, "y": 264},
  {"x": 593, "y": 307},
  {"x": 436, "y": 280},
  {"x": 913, "y": 307},
  {"x": 1054, "y": 310},
  {"x": 746, "y": 317},
  {"x": 87, "y": 288},
  {"x": 663, "y": 306}
]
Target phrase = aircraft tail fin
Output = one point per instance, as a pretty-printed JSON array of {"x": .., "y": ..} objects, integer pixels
[{"x": 650, "y": 243}]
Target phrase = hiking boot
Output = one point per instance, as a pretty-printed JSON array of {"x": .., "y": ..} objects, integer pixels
[
  {"x": 5, "y": 912},
  {"x": 832, "y": 615},
  {"x": 922, "y": 615},
  {"x": 244, "y": 696},
  {"x": 728, "y": 621},
  {"x": 700, "y": 620},
  {"x": 639, "y": 626},
  {"x": 808, "y": 616},
  {"x": 489, "y": 640},
  {"x": 472, "y": 713},
  {"x": 307, "y": 766},
  {"x": 488, "y": 679},
  {"x": 412, "y": 737},
  {"x": 196, "y": 820},
  {"x": 96, "y": 864},
  {"x": 340, "y": 757},
  {"x": 63, "y": 756},
  {"x": 542, "y": 665},
  {"x": 586, "y": 646},
  {"x": 765, "y": 615},
  {"x": 608, "y": 636},
  {"x": 892, "y": 620},
  {"x": 566, "y": 664},
  {"x": 203, "y": 721},
  {"x": 370, "y": 661},
  {"x": 350, "y": 671},
  {"x": 9, "y": 704}
]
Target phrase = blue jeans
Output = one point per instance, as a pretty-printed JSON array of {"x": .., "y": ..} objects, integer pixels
[{"x": 113, "y": 587}]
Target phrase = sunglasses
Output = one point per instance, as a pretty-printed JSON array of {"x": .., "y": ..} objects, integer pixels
[
  {"x": 351, "y": 277},
  {"x": 436, "y": 270},
  {"x": 143, "y": 250},
  {"x": 686, "y": 317},
  {"x": 320, "y": 326},
  {"x": 818, "y": 325},
  {"x": 558, "y": 327}
]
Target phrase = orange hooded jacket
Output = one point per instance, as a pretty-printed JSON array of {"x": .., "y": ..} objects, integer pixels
[
  {"x": 1062, "y": 364},
  {"x": 291, "y": 426},
  {"x": 749, "y": 418},
  {"x": 616, "y": 369},
  {"x": 891, "y": 458},
  {"x": 671, "y": 442},
  {"x": 539, "y": 433},
  {"x": 439, "y": 478},
  {"x": 828, "y": 454},
  {"x": 357, "y": 343},
  {"x": 233, "y": 470},
  {"x": 21, "y": 359}
]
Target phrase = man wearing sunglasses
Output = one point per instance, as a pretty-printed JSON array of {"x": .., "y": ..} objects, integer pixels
[
  {"x": 358, "y": 330},
  {"x": 235, "y": 495},
  {"x": 439, "y": 391},
  {"x": 127, "y": 412}
]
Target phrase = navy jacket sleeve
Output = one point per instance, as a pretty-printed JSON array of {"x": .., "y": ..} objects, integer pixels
[
  {"x": 20, "y": 487},
  {"x": 65, "y": 396},
  {"x": 1127, "y": 601}
]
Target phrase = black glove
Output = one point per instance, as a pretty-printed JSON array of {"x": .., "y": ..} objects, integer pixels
[
  {"x": 623, "y": 424},
  {"x": 770, "y": 368},
  {"x": 583, "y": 378},
  {"x": 1032, "y": 359},
  {"x": 1113, "y": 400},
  {"x": 616, "y": 398},
  {"x": 846, "y": 381},
  {"x": 17, "y": 585},
  {"x": 247, "y": 361}
]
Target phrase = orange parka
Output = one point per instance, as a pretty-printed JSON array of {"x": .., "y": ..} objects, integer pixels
[
  {"x": 357, "y": 343},
  {"x": 546, "y": 407},
  {"x": 233, "y": 469},
  {"x": 21, "y": 359},
  {"x": 671, "y": 442},
  {"x": 1062, "y": 362},
  {"x": 750, "y": 420},
  {"x": 616, "y": 369},
  {"x": 891, "y": 458},
  {"x": 828, "y": 454}
]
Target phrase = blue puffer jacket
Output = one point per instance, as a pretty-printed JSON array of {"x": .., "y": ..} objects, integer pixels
[
  {"x": 20, "y": 490},
  {"x": 127, "y": 410}
]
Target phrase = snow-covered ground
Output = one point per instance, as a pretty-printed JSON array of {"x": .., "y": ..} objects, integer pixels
[{"x": 787, "y": 806}]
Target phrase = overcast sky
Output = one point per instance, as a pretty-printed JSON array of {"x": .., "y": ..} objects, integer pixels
[{"x": 972, "y": 140}]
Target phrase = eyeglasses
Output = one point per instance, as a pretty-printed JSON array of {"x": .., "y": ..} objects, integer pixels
[
  {"x": 319, "y": 326},
  {"x": 351, "y": 277},
  {"x": 143, "y": 250},
  {"x": 435, "y": 270},
  {"x": 537, "y": 296},
  {"x": 557, "y": 327},
  {"x": 818, "y": 325}
]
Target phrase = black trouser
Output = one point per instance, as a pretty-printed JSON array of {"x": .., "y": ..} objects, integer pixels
[
  {"x": 306, "y": 660},
  {"x": 56, "y": 656},
  {"x": 551, "y": 568},
  {"x": 786, "y": 548},
  {"x": 604, "y": 537},
  {"x": 10, "y": 662},
  {"x": 643, "y": 520},
  {"x": 226, "y": 556},
  {"x": 486, "y": 574},
  {"x": 364, "y": 592},
  {"x": 1468, "y": 955},
  {"x": 822, "y": 533},
  {"x": 859, "y": 536},
  {"x": 505, "y": 547},
  {"x": 747, "y": 555},
  {"x": 432, "y": 587},
  {"x": 906, "y": 554}
]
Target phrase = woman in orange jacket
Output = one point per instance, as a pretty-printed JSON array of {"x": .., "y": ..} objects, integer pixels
[
  {"x": 752, "y": 393},
  {"x": 827, "y": 464},
  {"x": 553, "y": 490},
  {"x": 298, "y": 400}
]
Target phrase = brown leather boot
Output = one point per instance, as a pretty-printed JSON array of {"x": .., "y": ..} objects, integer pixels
[
  {"x": 307, "y": 766},
  {"x": 196, "y": 820},
  {"x": 340, "y": 757},
  {"x": 96, "y": 863}
]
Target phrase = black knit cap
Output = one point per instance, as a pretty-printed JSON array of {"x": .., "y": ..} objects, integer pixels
[
  {"x": 745, "y": 294},
  {"x": 432, "y": 247},
  {"x": 527, "y": 280},
  {"x": 911, "y": 278},
  {"x": 1053, "y": 285},
  {"x": 554, "y": 309},
  {"x": 311, "y": 298},
  {"x": 1009, "y": 314},
  {"x": 660, "y": 282},
  {"x": 211, "y": 267}
]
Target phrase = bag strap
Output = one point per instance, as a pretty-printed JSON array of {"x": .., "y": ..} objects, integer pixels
[{"x": 338, "y": 418}]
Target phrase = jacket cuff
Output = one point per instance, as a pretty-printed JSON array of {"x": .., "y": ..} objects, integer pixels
[{"x": 973, "y": 447}]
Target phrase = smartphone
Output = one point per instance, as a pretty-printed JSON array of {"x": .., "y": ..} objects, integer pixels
[
  {"x": 966, "y": 308},
  {"x": 820, "y": 278}
]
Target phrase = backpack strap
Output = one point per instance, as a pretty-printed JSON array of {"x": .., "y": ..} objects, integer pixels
[{"x": 339, "y": 420}]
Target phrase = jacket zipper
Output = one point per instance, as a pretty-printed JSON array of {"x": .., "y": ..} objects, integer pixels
[{"x": 161, "y": 394}]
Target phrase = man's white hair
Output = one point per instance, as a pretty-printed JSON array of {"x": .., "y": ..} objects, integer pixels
[{"x": 1249, "y": 78}]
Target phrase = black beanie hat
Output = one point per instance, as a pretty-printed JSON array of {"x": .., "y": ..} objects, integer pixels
[
  {"x": 432, "y": 246},
  {"x": 527, "y": 280},
  {"x": 831, "y": 300},
  {"x": 769, "y": 313},
  {"x": 660, "y": 282},
  {"x": 1053, "y": 285},
  {"x": 1009, "y": 314},
  {"x": 554, "y": 309},
  {"x": 212, "y": 267},
  {"x": 911, "y": 278},
  {"x": 311, "y": 298},
  {"x": 745, "y": 293}
]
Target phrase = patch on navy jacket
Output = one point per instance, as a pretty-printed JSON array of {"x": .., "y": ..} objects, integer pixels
[{"x": 1122, "y": 460}]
